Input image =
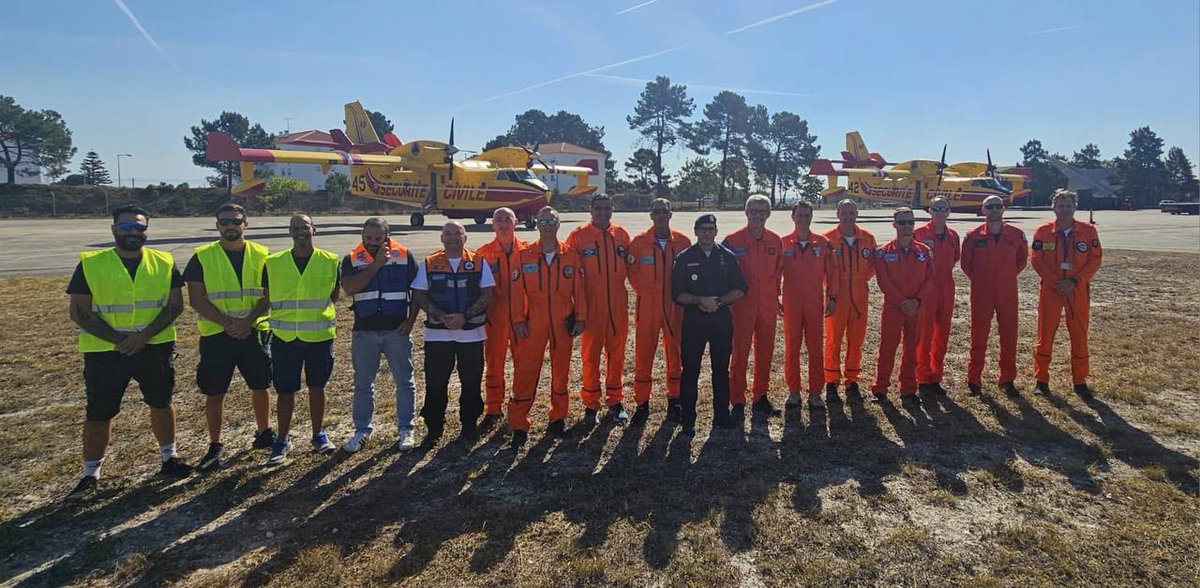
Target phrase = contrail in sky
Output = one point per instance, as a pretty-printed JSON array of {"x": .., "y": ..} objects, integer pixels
[
  {"x": 707, "y": 87},
  {"x": 1054, "y": 30},
  {"x": 632, "y": 8},
  {"x": 787, "y": 14},
  {"x": 137, "y": 23},
  {"x": 574, "y": 75}
]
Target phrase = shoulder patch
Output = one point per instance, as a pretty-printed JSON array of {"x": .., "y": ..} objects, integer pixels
[
  {"x": 866, "y": 252},
  {"x": 568, "y": 271},
  {"x": 1081, "y": 247},
  {"x": 878, "y": 252},
  {"x": 1095, "y": 242},
  {"x": 922, "y": 256},
  {"x": 1037, "y": 245}
]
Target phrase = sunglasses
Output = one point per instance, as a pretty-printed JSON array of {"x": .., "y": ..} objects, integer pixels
[
  {"x": 132, "y": 226},
  {"x": 659, "y": 211},
  {"x": 237, "y": 220},
  {"x": 905, "y": 223},
  {"x": 547, "y": 222},
  {"x": 940, "y": 210},
  {"x": 994, "y": 207}
]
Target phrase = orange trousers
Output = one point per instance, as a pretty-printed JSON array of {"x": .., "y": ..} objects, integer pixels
[
  {"x": 528, "y": 357},
  {"x": 895, "y": 327},
  {"x": 753, "y": 323},
  {"x": 849, "y": 320},
  {"x": 646, "y": 336},
  {"x": 803, "y": 321},
  {"x": 597, "y": 340},
  {"x": 495, "y": 351},
  {"x": 931, "y": 350},
  {"x": 1000, "y": 302},
  {"x": 1050, "y": 310}
]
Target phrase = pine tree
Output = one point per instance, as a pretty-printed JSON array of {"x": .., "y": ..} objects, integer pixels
[
  {"x": 658, "y": 118},
  {"x": 93, "y": 170},
  {"x": 1182, "y": 178}
]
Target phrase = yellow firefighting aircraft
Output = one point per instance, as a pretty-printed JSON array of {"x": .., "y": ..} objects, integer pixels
[
  {"x": 422, "y": 175},
  {"x": 917, "y": 181}
]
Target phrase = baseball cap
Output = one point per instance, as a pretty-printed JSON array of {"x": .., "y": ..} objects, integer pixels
[{"x": 705, "y": 219}]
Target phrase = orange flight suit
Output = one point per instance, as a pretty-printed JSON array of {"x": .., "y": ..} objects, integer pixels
[
  {"x": 761, "y": 261},
  {"x": 544, "y": 294},
  {"x": 650, "y": 275},
  {"x": 902, "y": 274},
  {"x": 1075, "y": 256},
  {"x": 931, "y": 350},
  {"x": 603, "y": 253},
  {"x": 809, "y": 279},
  {"x": 855, "y": 270},
  {"x": 499, "y": 326},
  {"x": 993, "y": 262}
]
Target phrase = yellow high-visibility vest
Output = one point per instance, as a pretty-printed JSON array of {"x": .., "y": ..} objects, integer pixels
[
  {"x": 127, "y": 304},
  {"x": 224, "y": 291},
  {"x": 300, "y": 304}
]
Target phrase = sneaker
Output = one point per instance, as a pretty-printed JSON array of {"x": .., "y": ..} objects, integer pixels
[
  {"x": 321, "y": 443},
  {"x": 86, "y": 487},
  {"x": 764, "y": 407},
  {"x": 212, "y": 459},
  {"x": 1010, "y": 389},
  {"x": 910, "y": 401},
  {"x": 738, "y": 414},
  {"x": 938, "y": 389},
  {"x": 879, "y": 395},
  {"x": 357, "y": 442},
  {"x": 1041, "y": 389},
  {"x": 519, "y": 438},
  {"x": 852, "y": 392},
  {"x": 641, "y": 414},
  {"x": 793, "y": 400},
  {"x": 1082, "y": 391},
  {"x": 617, "y": 414},
  {"x": 674, "y": 410},
  {"x": 589, "y": 417},
  {"x": 279, "y": 451},
  {"x": 406, "y": 441},
  {"x": 814, "y": 401},
  {"x": 831, "y": 394},
  {"x": 557, "y": 429},
  {"x": 264, "y": 439},
  {"x": 974, "y": 389},
  {"x": 490, "y": 421},
  {"x": 175, "y": 468}
]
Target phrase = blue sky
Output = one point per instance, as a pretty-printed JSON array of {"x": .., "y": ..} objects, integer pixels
[{"x": 909, "y": 75}]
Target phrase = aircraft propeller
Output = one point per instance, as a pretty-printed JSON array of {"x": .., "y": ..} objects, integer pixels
[
  {"x": 991, "y": 169},
  {"x": 942, "y": 165},
  {"x": 450, "y": 150},
  {"x": 534, "y": 156}
]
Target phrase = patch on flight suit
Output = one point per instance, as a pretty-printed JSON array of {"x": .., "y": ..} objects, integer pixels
[
  {"x": 646, "y": 259},
  {"x": 568, "y": 271},
  {"x": 928, "y": 242},
  {"x": 816, "y": 251},
  {"x": 621, "y": 251},
  {"x": 770, "y": 251},
  {"x": 1048, "y": 246},
  {"x": 516, "y": 275},
  {"x": 589, "y": 252},
  {"x": 1095, "y": 242},
  {"x": 470, "y": 265},
  {"x": 789, "y": 252},
  {"x": 1037, "y": 245},
  {"x": 878, "y": 252},
  {"x": 1081, "y": 247},
  {"x": 981, "y": 242},
  {"x": 740, "y": 251},
  {"x": 529, "y": 268},
  {"x": 693, "y": 264},
  {"x": 922, "y": 256},
  {"x": 495, "y": 267},
  {"x": 866, "y": 252},
  {"x": 695, "y": 277},
  {"x": 889, "y": 257}
]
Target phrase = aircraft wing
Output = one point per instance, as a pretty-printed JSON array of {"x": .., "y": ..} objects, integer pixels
[
  {"x": 878, "y": 173},
  {"x": 582, "y": 188},
  {"x": 222, "y": 148}
]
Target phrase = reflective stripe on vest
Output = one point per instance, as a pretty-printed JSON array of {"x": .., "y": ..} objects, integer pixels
[
  {"x": 300, "y": 304},
  {"x": 387, "y": 292},
  {"x": 222, "y": 288},
  {"x": 374, "y": 294},
  {"x": 454, "y": 291},
  {"x": 127, "y": 304}
]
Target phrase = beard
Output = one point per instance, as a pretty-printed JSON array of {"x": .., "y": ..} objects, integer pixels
[
  {"x": 131, "y": 242},
  {"x": 231, "y": 235}
]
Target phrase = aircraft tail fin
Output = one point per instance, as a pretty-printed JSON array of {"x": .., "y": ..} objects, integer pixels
[
  {"x": 358, "y": 125},
  {"x": 856, "y": 147}
]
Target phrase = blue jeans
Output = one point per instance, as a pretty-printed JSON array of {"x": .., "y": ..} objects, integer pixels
[{"x": 365, "y": 349}]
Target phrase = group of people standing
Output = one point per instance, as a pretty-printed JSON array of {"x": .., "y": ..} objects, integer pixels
[{"x": 272, "y": 317}]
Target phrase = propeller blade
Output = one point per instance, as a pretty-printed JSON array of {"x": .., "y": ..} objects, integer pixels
[
  {"x": 451, "y": 131},
  {"x": 991, "y": 169},
  {"x": 942, "y": 164}
]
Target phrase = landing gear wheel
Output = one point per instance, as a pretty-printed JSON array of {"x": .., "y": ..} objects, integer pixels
[
  {"x": 417, "y": 219},
  {"x": 530, "y": 223},
  {"x": 481, "y": 220}
]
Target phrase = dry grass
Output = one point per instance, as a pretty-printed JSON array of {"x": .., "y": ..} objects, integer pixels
[{"x": 983, "y": 492}]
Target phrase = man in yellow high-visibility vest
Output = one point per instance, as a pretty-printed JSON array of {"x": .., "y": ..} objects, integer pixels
[
  {"x": 224, "y": 280},
  {"x": 301, "y": 285},
  {"x": 125, "y": 300}
]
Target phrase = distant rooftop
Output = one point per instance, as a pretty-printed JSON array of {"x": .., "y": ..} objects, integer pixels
[{"x": 547, "y": 148}]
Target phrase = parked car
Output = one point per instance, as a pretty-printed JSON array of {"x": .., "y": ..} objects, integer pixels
[{"x": 1165, "y": 205}]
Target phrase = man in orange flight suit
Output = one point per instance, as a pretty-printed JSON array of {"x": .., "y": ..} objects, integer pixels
[
  {"x": 993, "y": 255},
  {"x": 931, "y": 349},
  {"x": 501, "y": 254},
  {"x": 759, "y": 252},
  {"x": 547, "y": 293},
  {"x": 1066, "y": 254},
  {"x": 853, "y": 248},
  {"x": 603, "y": 248},
  {"x": 904, "y": 271},
  {"x": 810, "y": 281},
  {"x": 651, "y": 257}
]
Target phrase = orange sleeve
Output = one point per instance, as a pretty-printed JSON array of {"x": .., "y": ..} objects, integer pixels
[
  {"x": 891, "y": 293},
  {"x": 520, "y": 310},
  {"x": 870, "y": 266},
  {"x": 1094, "y": 259},
  {"x": 967, "y": 259},
  {"x": 1043, "y": 263},
  {"x": 1022, "y": 253}
]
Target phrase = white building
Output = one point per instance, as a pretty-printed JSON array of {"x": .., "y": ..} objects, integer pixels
[
  {"x": 27, "y": 173},
  {"x": 569, "y": 154},
  {"x": 305, "y": 172}
]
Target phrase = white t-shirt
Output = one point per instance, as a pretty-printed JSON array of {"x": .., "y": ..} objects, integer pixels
[
  {"x": 849, "y": 240},
  {"x": 421, "y": 282},
  {"x": 549, "y": 255}
]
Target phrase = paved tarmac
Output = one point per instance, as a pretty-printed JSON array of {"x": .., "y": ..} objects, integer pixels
[{"x": 52, "y": 246}]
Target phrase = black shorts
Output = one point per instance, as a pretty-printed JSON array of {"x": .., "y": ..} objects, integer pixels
[
  {"x": 220, "y": 353},
  {"x": 106, "y": 374},
  {"x": 289, "y": 357}
]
